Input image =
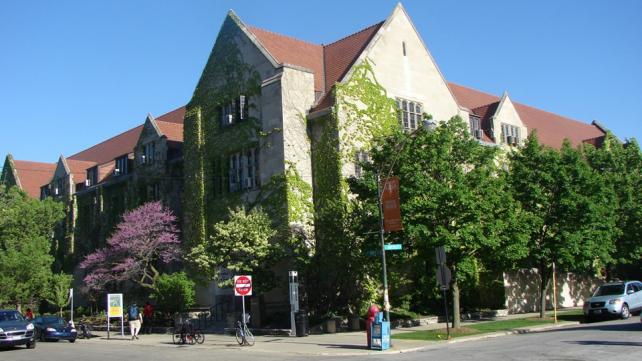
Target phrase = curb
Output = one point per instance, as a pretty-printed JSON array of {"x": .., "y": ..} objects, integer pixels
[{"x": 517, "y": 331}]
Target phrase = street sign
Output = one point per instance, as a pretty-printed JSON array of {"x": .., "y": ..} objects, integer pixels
[
  {"x": 440, "y": 255},
  {"x": 443, "y": 277},
  {"x": 392, "y": 247},
  {"x": 390, "y": 204},
  {"x": 242, "y": 285}
]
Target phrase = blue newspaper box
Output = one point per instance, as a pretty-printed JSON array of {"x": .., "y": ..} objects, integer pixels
[{"x": 380, "y": 333}]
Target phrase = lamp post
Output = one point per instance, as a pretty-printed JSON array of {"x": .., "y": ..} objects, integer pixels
[{"x": 386, "y": 302}]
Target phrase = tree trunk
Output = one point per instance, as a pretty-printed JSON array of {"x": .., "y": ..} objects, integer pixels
[
  {"x": 456, "y": 315},
  {"x": 543, "y": 290},
  {"x": 60, "y": 311}
]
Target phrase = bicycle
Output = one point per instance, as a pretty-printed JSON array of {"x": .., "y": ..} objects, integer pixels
[
  {"x": 186, "y": 333},
  {"x": 243, "y": 334},
  {"x": 84, "y": 331}
]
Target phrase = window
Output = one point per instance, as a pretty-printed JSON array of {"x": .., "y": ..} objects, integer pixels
[
  {"x": 243, "y": 170},
  {"x": 403, "y": 46},
  {"x": 59, "y": 186},
  {"x": 409, "y": 114},
  {"x": 475, "y": 127},
  {"x": 45, "y": 191},
  {"x": 149, "y": 151},
  {"x": 92, "y": 177},
  {"x": 234, "y": 112},
  {"x": 154, "y": 192},
  {"x": 122, "y": 166},
  {"x": 510, "y": 134},
  {"x": 361, "y": 158}
]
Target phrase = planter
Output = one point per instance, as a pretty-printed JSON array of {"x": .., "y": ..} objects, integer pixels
[
  {"x": 331, "y": 326},
  {"x": 355, "y": 323}
]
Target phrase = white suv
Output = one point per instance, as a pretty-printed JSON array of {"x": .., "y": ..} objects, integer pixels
[{"x": 614, "y": 299}]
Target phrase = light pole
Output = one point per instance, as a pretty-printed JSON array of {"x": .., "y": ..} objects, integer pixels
[{"x": 386, "y": 302}]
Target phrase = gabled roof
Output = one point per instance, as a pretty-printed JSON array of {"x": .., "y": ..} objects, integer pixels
[
  {"x": 551, "y": 128},
  {"x": 78, "y": 168},
  {"x": 175, "y": 116},
  {"x": 111, "y": 148},
  {"x": 33, "y": 175},
  {"x": 329, "y": 63},
  {"x": 288, "y": 50},
  {"x": 173, "y": 131}
]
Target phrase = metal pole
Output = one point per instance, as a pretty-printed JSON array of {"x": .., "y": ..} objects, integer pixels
[
  {"x": 243, "y": 315},
  {"x": 554, "y": 295},
  {"x": 71, "y": 296},
  {"x": 386, "y": 302},
  {"x": 446, "y": 309}
]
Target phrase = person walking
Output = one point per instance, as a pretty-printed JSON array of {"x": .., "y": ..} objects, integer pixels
[
  {"x": 29, "y": 314},
  {"x": 148, "y": 314},
  {"x": 135, "y": 320}
]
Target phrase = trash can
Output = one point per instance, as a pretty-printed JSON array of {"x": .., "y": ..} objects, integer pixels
[
  {"x": 380, "y": 333},
  {"x": 301, "y": 323}
]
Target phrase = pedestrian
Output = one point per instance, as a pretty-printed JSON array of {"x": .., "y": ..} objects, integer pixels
[
  {"x": 29, "y": 314},
  {"x": 135, "y": 320},
  {"x": 148, "y": 314}
]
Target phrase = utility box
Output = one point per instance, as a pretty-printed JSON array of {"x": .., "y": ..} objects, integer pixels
[{"x": 380, "y": 333}]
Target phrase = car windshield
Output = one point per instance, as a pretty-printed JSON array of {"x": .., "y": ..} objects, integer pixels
[
  {"x": 609, "y": 290},
  {"x": 10, "y": 316},
  {"x": 53, "y": 320}
]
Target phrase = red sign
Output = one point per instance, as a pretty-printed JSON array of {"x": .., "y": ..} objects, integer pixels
[
  {"x": 391, "y": 205},
  {"x": 242, "y": 285}
]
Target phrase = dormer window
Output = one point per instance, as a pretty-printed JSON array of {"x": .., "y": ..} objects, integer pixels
[
  {"x": 409, "y": 114},
  {"x": 149, "y": 150},
  {"x": 122, "y": 165},
  {"x": 510, "y": 134},
  {"x": 475, "y": 127},
  {"x": 234, "y": 112},
  {"x": 92, "y": 177},
  {"x": 58, "y": 187}
]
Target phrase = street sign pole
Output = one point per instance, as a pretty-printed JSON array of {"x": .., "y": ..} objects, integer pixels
[
  {"x": 446, "y": 309},
  {"x": 386, "y": 303}
]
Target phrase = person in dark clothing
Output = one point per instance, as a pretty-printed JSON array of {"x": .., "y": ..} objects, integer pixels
[{"x": 148, "y": 315}]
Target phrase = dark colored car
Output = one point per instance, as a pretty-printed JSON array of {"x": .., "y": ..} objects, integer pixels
[
  {"x": 54, "y": 328},
  {"x": 16, "y": 330}
]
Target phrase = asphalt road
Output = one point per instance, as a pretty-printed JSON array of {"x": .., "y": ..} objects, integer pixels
[{"x": 611, "y": 340}]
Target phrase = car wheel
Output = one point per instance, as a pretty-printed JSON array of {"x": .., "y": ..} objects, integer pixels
[
  {"x": 32, "y": 344},
  {"x": 72, "y": 340},
  {"x": 588, "y": 319},
  {"x": 625, "y": 313}
]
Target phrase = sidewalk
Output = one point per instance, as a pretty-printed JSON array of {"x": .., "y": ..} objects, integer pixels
[{"x": 338, "y": 344}]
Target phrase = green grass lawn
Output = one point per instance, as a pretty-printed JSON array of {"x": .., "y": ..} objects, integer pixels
[{"x": 487, "y": 327}]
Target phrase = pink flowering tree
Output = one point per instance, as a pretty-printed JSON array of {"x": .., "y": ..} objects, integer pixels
[{"x": 146, "y": 238}]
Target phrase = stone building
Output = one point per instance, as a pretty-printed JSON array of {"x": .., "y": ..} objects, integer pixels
[{"x": 257, "y": 131}]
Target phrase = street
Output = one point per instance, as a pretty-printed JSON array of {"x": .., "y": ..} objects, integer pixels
[{"x": 608, "y": 340}]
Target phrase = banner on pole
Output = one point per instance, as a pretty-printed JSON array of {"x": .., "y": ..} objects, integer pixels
[
  {"x": 115, "y": 305},
  {"x": 391, "y": 204}
]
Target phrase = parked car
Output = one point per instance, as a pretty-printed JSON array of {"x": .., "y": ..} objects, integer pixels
[
  {"x": 16, "y": 330},
  {"x": 614, "y": 299},
  {"x": 54, "y": 328}
]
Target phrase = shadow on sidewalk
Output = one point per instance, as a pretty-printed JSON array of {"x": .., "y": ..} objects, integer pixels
[{"x": 605, "y": 343}]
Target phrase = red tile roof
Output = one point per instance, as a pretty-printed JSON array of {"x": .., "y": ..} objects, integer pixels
[
  {"x": 329, "y": 62},
  {"x": 175, "y": 116},
  {"x": 552, "y": 129},
  {"x": 33, "y": 175},
  {"x": 111, "y": 148},
  {"x": 288, "y": 50},
  {"x": 78, "y": 169},
  {"x": 173, "y": 131}
]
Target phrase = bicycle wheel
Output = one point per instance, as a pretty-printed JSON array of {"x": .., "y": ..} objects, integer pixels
[
  {"x": 249, "y": 337},
  {"x": 176, "y": 337},
  {"x": 199, "y": 337},
  {"x": 239, "y": 336},
  {"x": 87, "y": 333}
]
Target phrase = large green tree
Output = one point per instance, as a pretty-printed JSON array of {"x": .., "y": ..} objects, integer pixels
[
  {"x": 240, "y": 245},
  {"x": 569, "y": 210},
  {"x": 453, "y": 194},
  {"x": 26, "y": 231},
  {"x": 620, "y": 163}
]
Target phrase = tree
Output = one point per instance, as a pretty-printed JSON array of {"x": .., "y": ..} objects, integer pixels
[
  {"x": 453, "y": 195},
  {"x": 146, "y": 238},
  {"x": 620, "y": 163},
  {"x": 26, "y": 229},
  {"x": 58, "y": 290},
  {"x": 241, "y": 245},
  {"x": 174, "y": 292},
  {"x": 569, "y": 211}
]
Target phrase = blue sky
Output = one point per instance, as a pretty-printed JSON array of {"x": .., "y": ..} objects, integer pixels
[{"x": 74, "y": 73}]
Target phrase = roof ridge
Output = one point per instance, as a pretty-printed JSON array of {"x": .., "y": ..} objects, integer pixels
[
  {"x": 354, "y": 34},
  {"x": 283, "y": 35},
  {"x": 104, "y": 141},
  {"x": 33, "y": 161}
]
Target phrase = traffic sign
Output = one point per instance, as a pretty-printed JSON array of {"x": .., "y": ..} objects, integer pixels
[
  {"x": 242, "y": 285},
  {"x": 443, "y": 277},
  {"x": 392, "y": 247}
]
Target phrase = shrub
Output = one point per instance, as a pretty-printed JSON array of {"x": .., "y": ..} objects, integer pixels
[{"x": 174, "y": 292}]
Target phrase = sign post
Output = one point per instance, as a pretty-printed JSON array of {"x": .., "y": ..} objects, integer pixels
[
  {"x": 71, "y": 299},
  {"x": 115, "y": 310},
  {"x": 443, "y": 277},
  {"x": 243, "y": 287},
  {"x": 293, "y": 281}
]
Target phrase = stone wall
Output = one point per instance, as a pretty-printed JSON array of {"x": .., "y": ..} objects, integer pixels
[{"x": 522, "y": 290}]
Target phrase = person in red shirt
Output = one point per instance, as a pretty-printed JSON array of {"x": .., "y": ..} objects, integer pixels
[
  {"x": 148, "y": 314},
  {"x": 29, "y": 314}
]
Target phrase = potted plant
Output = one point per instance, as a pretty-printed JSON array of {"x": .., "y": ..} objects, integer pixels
[{"x": 330, "y": 322}]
